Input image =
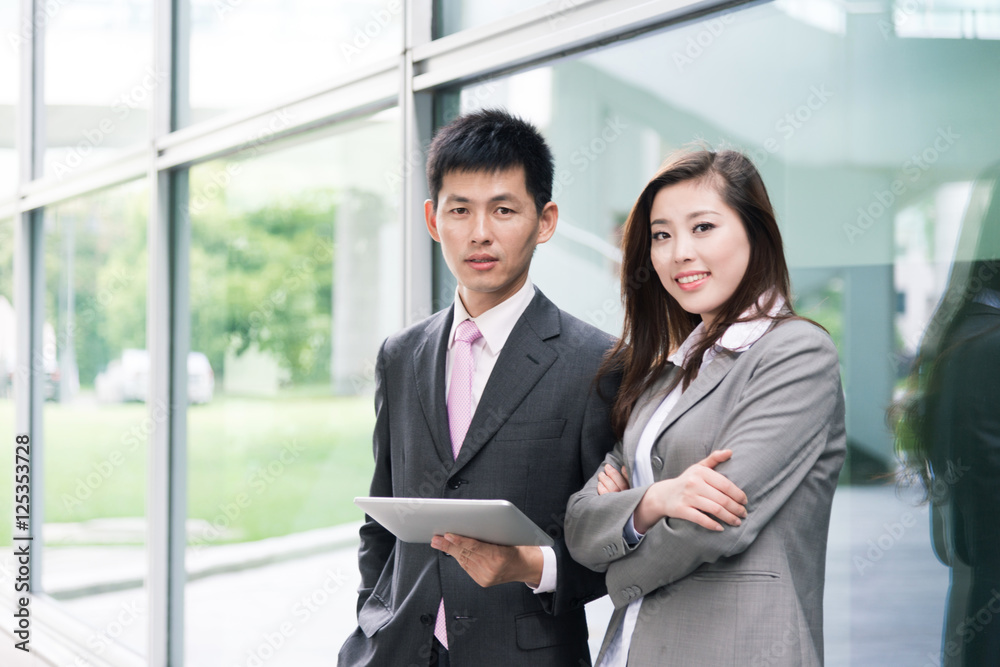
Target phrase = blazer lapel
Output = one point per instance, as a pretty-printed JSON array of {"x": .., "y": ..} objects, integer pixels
[
  {"x": 706, "y": 381},
  {"x": 428, "y": 367},
  {"x": 641, "y": 414},
  {"x": 525, "y": 358}
]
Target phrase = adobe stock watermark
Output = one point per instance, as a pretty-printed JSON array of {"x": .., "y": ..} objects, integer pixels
[
  {"x": 105, "y": 296},
  {"x": 259, "y": 481},
  {"x": 220, "y": 180},
  {"x": 902, "y": 13},
  {"x": 968, "y": 629},
  {"x": 378, "y": 20},
  {"x": 45, "y": 11},
  {"x": 913, "y": 169},
  {"x": 702, "y": 40},
  {"x": 556, "y": 13},
  {"x": 587, "y": 153},
  {"x": 102, "y": 471},
  {"x": 121, "y": 108},
  {"x": 791, "y": 122},
  {"x": 893, "y": 532},
  {"x": 301, "y": 611}
]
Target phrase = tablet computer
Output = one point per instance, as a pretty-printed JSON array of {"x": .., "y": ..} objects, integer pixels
[{"x": 420, "y": 519}]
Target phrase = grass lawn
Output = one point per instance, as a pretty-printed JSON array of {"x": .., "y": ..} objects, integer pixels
[{"x": 256, "y": 467}]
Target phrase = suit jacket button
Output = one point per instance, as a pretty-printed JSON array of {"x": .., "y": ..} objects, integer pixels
[
  {"x": 426, "y": 619},
  {"x": 657, "y": 463},
  {"x": 454, "y": 484}
]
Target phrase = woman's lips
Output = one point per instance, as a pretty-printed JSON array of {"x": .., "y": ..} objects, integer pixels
[{"x": 691, "y": 281}]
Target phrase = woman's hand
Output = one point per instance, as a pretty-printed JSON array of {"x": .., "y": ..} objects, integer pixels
[
  {"x": 697, "y": 493},
  {"x": 612, "y": 481}
]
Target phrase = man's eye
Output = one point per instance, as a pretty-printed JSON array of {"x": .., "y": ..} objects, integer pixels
[
  {"x": 460, "y": 210},
  {"x": 503, "y": 210}
]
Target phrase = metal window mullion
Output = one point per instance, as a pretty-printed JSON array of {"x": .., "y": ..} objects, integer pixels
[
  {"x": 29, "y": 279},
  {"x": 416, "y": 111},
  {"x": 558, "y": 32},
  {"x": 166, "y": 470}
]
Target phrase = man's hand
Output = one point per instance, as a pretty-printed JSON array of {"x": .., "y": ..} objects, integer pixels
[
  {"x": 492, "y": 564},
  {"x": 698, "y": 494}
]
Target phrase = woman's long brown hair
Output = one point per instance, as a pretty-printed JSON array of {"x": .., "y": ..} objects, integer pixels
[{"x": 655, "y": 324}]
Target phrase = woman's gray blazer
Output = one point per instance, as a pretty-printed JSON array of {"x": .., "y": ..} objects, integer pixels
[{"x": 749, "y": 595}]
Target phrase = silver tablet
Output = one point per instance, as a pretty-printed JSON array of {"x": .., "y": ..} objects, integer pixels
[{"x": 420, "y": 519}]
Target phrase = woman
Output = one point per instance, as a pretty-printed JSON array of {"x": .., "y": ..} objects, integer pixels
[
  {"x": 710, "y": 515},
  {"x": 948, "y": 431}
]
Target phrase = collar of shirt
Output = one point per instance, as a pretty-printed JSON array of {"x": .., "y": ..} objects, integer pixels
[
  {"x": 737, "y": 338},
  {"x": 497, "y": 322}
]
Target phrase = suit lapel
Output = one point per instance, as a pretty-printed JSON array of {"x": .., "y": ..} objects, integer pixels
[
  {"x": 525, "y": 358},
  {"x": 428, "y": 367},
  {"x": 706, "y": 381},
  {"x": 641, "y": 414}
]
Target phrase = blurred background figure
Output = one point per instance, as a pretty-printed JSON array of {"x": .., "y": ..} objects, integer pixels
[{"x": 948, "y": 431}]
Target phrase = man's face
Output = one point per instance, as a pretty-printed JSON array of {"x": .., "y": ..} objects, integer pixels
[{"x": 488, "y": 228}]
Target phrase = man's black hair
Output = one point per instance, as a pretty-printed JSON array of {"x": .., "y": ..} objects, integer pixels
[{"x": 491, "y": 140}]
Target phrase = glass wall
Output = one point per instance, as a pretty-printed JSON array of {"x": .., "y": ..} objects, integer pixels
[
  {"x": 869, "y": 141},
  {"x": 99, "y": 81},
  {"x": 95, "y": 418},
  {"x": 10, "y": 57},
  {"x": 8, "y": 367},
  {"x": 295, "y": 255},
  {"x": 874, "y": 128},
  {"x": 244, "y": 54}
]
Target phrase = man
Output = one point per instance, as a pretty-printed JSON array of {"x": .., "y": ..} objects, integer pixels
[{"x": 493, "y": 397}]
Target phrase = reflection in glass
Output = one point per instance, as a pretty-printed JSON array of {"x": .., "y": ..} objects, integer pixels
[
  {"x": 295, "y": 273},
  {"x": 99, "y": 81},
  {"x": 95, "y": 434},
  {"x": 867, "y": 167},
  {"x": 244, "y": 54},
  {"x": 948, "y": 428}
]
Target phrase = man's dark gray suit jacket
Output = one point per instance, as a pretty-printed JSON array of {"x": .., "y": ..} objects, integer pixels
[{"x": 540, "y": 430}]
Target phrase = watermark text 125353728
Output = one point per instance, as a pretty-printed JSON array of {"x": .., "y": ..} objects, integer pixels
[{"x": 22, "y": 541}]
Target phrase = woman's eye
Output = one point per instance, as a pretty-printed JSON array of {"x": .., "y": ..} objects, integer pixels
[
  {"x": 660, "y": 236},
  {"x": 703, "y": 227}
]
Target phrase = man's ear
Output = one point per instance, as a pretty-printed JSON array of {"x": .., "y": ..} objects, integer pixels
[
  {"x": 430, "y": 217},
  {"x": 547, "y": 222}
]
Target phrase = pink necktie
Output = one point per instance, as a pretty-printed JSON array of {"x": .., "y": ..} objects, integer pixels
[{"x": 459, "y": 415}]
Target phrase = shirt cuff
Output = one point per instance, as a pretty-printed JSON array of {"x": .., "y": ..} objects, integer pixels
[
  {"x": 631, "y": 535},
  {"x": 549, "y": 569}
]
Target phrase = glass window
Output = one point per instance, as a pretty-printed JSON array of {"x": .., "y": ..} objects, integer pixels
[
  {"x": 248, "y": 53},
  {"x": 8, "y": 366},
  {"x": 99, "y": 80},
  {"x": 295, "y": 263},
  {"x": 95, "y": 417},
  {"x": 10, "y": 58},
  {"x": 873, "y": 171},
  {"x": 451, "y": 16}
]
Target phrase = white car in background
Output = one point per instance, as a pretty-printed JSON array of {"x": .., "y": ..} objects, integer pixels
[{"x": 127, "y": 379}]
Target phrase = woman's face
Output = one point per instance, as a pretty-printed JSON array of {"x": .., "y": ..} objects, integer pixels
[{"x": 699, "y": 246}]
